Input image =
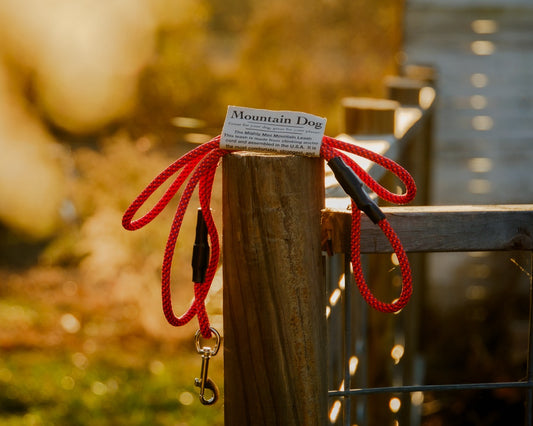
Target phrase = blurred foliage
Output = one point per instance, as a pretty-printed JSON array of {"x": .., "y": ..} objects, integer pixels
[
  {"x": 85, "y": 341},
  {"x": 300, "y": 55}
]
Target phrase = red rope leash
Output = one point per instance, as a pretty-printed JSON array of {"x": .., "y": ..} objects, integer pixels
[
  {"x": 329, "y": 150},
  {"x": 199, "y": 166}
]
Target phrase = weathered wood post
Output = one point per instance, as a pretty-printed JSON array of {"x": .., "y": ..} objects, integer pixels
[
  {"x": 274, "y": 291},
  {"x": 375, "y": 118},
  {"x": 417, "y": 157}
]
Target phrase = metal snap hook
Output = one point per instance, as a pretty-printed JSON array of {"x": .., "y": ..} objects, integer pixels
[{"x": 204, "y": 382}]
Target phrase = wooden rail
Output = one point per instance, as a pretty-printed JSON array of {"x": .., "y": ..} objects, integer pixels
[{"x": 437, "y": 229}]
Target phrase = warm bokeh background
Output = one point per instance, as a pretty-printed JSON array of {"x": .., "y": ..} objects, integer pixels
[{"x": 96, "y": 98}]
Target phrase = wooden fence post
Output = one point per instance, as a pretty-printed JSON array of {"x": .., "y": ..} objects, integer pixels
[
  {"x": 418, "y": 154},
  {"x": 426, "y": 73},
  {"x": 274, "y": 291},
  {"x": 380, "y": 116},
  {"x": 369, "y": 116}
]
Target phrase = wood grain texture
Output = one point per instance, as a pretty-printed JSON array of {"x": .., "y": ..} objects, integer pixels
[
  {"x": 438, "y": 229},
  {"x": 274, "y": 291}
]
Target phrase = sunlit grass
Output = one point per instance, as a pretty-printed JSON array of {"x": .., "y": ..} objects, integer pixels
[{"x": 43, "y": 386}]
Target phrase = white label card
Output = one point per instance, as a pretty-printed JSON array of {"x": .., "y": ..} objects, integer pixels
[{"x": 283, "y": 132}]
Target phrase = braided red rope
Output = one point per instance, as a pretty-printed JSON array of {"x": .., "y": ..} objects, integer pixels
[{"x": 199, "y": 166}]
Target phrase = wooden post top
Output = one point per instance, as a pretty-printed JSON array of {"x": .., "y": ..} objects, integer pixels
[
  {"x": 366, "y": 116},
  {"x": 404, "y": 90},
  {"x": 426, "y": 73}
]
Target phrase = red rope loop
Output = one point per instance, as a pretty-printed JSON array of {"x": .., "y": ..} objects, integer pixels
[{"x": 199, "y": 167}]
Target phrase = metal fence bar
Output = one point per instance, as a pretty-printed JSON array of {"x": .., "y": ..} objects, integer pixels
[
  {"x": 348, "y": 338},
  {"x": 529, "y": 402},
  {"x": 433, "y": 388},
  {"x": 361, "y": 346},
  {"x": 335, "y": 318}
]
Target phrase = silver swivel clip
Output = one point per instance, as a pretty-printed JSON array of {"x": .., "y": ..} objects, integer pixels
[{"x": 204, "y": 382}]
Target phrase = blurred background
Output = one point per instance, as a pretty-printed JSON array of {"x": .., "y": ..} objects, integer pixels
[{"x": 96, "y": 99}]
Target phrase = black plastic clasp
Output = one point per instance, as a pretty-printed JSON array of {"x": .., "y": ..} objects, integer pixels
[
  {"x": 200, "y": 251},
  {"x": 353, "y": 186}
]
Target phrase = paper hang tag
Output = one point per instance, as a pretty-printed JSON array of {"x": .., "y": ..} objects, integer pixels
[{"x": 262, "y": 130}]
